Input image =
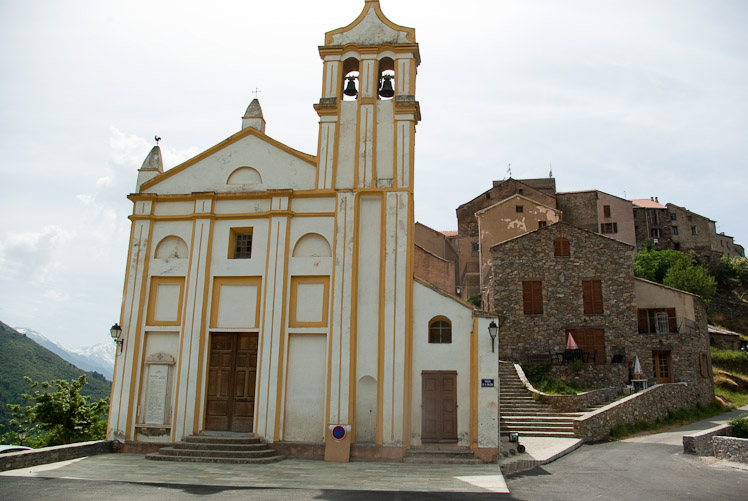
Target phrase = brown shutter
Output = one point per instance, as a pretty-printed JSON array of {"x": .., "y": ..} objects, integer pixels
[
  {"x": 532, "y": 297},
  {"x": 643, "y": 321},
  {"x": 592, "y": 296},
  {"x": 672, "y": 321}
]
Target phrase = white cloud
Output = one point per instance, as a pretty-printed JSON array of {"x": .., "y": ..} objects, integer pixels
[
  {"x": 56, "y": 296},
  {"x": 33, "y": 254}
]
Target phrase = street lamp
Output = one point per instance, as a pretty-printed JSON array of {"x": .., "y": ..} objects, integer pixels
[
  {"x": 116, "y": 332},
  {"x": 493, "y": 331}
]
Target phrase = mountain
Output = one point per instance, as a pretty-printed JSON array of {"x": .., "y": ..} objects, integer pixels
[
  {"x": 98, "y": 358},
  {"x": 21, "y": 356}
]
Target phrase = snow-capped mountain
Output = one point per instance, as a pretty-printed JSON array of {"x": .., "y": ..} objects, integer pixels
[{"x": 99, "y": 357}]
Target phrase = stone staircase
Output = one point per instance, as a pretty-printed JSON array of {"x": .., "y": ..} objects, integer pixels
[
  {"x": 441, "y": 456},
  {"x": 234, "y": 448},
  {"x": 530, "y": 418}
]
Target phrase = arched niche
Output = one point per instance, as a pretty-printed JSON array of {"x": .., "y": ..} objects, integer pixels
[
  {"x": 171, "y": 247},
  {"x": 312, "y": 245},
  {"x": 244, "y": 175}
]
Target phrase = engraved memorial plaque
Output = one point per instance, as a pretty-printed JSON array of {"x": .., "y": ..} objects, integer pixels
[{"x": 158, "y": 376}]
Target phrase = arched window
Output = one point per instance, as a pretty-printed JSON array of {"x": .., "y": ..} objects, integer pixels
[
  {"x": 561, "y": 247},
  {"x": 440, "y": 330}
]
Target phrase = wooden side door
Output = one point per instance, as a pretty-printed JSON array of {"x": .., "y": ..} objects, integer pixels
[
  {"x": 232, "y": 373},
  {"x": 439, "y": 406},
  {"x": 661, "y": 364}
]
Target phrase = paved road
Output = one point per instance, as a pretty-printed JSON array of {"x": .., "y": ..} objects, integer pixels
[{"x": 650, "y": 468}]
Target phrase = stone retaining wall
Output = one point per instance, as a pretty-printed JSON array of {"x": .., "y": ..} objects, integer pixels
[
  {"x": 731, "y": 449},
  {"x": 569, "y": 403},
  {"x": 46, "y": 455},
  {"x": 591, "y": 375},
  {"x": 649, "y": 405},
  {"x": 701, "y": 443}
]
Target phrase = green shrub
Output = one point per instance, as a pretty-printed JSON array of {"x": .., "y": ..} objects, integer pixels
[{"x": 740, "y": 426}]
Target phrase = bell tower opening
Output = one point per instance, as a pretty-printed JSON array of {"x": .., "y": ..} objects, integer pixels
[
  {"x": 351, "y": 84},
  {"x": 386, "y": 78}
]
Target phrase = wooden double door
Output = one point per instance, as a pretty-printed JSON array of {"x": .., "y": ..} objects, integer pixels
[
  {"x": 439, "y": 406},
  {"x": 232, "y": 373}
]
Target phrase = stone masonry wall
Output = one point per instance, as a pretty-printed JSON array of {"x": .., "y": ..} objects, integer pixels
[
  {"x": 649, "y": 405},
  {"x": 45, "y": 455},
  {"x": 731, "y": 449},
  {"x": 592, "y": 375}
]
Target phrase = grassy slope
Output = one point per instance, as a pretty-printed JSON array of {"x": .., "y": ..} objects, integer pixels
[
  {"x": 731, "y": 376},
  {"x": 20, "y": 356}
]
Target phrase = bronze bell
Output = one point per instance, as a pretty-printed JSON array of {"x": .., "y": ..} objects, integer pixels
[
  {"x": 387, "y": 90},
  {"x": 350, "y": 88}
]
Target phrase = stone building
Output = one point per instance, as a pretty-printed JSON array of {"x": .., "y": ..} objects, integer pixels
[
  {"x": 272, "y": 291},
  {"x": 467, "y": 240},
  {"x": 560, "y": 281},
  {"x": 599, "y": 212},
  {"x": 670, "y": 226}
]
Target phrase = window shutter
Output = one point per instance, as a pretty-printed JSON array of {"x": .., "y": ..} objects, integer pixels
[
  {"x": 532, "y": 297},
  {"x": 672, "y": 320},
  {"x": 643, "y": 320},
  {"x": 592, "y": 296}
]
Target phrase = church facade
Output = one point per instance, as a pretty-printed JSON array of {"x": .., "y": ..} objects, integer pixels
[{"x": 271, "y": 291}]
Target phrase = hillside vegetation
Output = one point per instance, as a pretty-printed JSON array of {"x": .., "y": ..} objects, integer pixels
[{"x": 20, "y": 356}]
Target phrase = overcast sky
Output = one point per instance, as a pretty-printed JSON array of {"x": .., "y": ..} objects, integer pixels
[{"x": 637, "y": 98}]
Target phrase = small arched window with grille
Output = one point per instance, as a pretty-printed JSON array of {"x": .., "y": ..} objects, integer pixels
[
  {"x": 440, "y": 330},
  {"x": 561, "y": 247}
]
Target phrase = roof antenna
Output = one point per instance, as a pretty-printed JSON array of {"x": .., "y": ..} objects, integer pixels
[
  {"x": 550, "y": 172},
  {"x": 509, "y": 170},
  {"x": 157, "y": 139}
]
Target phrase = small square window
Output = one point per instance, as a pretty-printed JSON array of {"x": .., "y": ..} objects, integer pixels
[
  {"x": 655, "y": 232},
  {"x": 694, "y": 231},
  {"x": 240, "y": 246},
  {"x": 675, "y": 230},
  {"x": 542, "y": 224},
  {"x": 673, "y": 216},
  {"x": 519, "y": 208}
]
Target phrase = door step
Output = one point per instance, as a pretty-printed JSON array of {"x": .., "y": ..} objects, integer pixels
[
  {"x": 441, "y": 456},
  {"x": 218, "y": 447}
]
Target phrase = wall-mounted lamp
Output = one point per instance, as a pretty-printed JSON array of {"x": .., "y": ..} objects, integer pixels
[
  {"x": 116, "y": 332},
  {"x": 493, "y": 331}
]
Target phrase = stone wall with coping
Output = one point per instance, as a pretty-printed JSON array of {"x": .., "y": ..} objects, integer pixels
[
  {"x": 592, "y": 375},
  {"x": 649, "y": 405},
  {"x": 45, "y": 455},
  {"x": 731, "y": 449},
  {"x": 701, "y": 443},
  {"x": 570, "y": 403}
]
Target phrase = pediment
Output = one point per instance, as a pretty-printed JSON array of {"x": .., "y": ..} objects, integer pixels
[
  {"x": 248, "y": 161},
  {"x": 371, "y": 28}
]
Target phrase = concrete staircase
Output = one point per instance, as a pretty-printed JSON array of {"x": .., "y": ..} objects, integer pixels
[
  {"x": 530, "y": 418},
  {"x": 441, "y": 456},
  {"x": 234, "y": 448}
]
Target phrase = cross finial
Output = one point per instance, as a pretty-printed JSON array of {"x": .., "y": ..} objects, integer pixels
[{"x": 256, "y": 91}]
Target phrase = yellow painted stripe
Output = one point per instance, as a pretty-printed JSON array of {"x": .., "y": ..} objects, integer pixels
[{"x": 474, "y": 385}]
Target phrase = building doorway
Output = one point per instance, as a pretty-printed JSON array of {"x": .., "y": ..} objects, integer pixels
[
  {"x": 232, "y": 373},
  {"x": 661, "y": 364},
  {"x": 439, "y": 406}
]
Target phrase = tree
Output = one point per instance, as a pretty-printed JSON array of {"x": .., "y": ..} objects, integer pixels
[
  {"x": 59, "y": 414},
  {"x": 654, "y": 265},
  {"x": 692, "y": 278}
]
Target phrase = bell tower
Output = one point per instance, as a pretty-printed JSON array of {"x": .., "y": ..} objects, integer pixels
[
  {"x": 368, "y": 115},
  {"x": 368, "y": 110}
]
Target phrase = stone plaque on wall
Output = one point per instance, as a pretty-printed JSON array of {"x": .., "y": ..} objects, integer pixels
[{"x": 155, "y": 409}]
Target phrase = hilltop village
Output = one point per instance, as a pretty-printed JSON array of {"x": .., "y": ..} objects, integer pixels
[{"x": 294, "y": 297}]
